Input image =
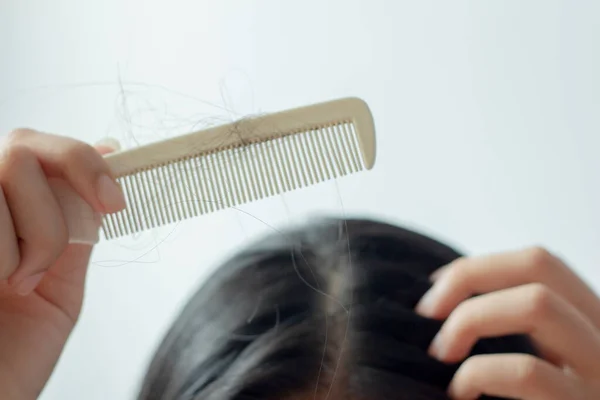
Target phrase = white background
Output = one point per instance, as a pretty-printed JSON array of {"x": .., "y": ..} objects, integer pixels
[{"x": 488, "y": 119}]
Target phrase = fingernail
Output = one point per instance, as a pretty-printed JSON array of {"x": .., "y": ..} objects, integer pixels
[
  {"x": 29, "y": 284},
  {"x": 109, "y": 142},
  {"x": 426, "y": 306},
  {"x": 84, "y": 231},
  {"x": 110, "y": 194},
  {"x": 436, "y": 349}
]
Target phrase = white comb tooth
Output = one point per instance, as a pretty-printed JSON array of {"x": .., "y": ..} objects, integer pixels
[
  {"x": 153, "y": 197},
  {"x": 354, "y": 145},
  {"x": 196, "y": 185},
  {"x": 287, "y": 176},
  {"x": 333, "y": 157},
  {"x": 104, "y": 230},
  {"x": 336, "y": 152},
  {"x": 142, "y": 201},
  {"x": 259, "y": 178},
  {"x": 223, "y": 163},
  {"x": 107, "y": 228},
  {"x": 123, "y": 217},
  {"x": 191, "y": 187},
  {"x": 256, "y": 171},
  {"x": 167, "y": 197},
  {"x": 294, "y": 156},
  {"x": 345, "y": 138},
  {"x": 238, "y": 177},
  {"x": 306, "y": 158},
  {"x": 348, "y": 146},
  {"x": 117, "y": 225},
  {"x": 223, "y": 181},
  {"x": 187, "y": 187},
  {"x": 174, "y": 188},
  {"x": 340, "y": 150},
  {"x": 206, "y": 201},
  {"x": 326, "y": 158},
  {"x": 349, "y": 135},
  {"x": 230, "y": 179},
  {"x": 135, "y": 205},
  {"x": 205, "y": 185},
  {"x": 179, "y": 188},
  {"x": 314, "y": 151},
  {"x": 275, "y": 168},
  {"x": 227, "y": 178},
  {"x": 306, "y": 162},
  {"x": 218, "y": 193},
  {"x": 253, "y": 181},
  {"x": 148, "y": 198},
  {"x": 120, "y": 225},
  {"x": 266, "y": 185},
  {"x": 131, "y": 210},
  {"x": 161, "y": 203},
  {"x": 172, "y": 181},
  {"x": 265, "y": 162},
  {"x": 247, "y": 178},
  {"x": 290, "y": 164}
]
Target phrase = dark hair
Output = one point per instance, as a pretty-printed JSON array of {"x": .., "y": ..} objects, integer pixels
[{"x": 326, "y": 308}]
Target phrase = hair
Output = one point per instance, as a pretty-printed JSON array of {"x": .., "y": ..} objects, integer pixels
[{"x": 324, "y": 311}]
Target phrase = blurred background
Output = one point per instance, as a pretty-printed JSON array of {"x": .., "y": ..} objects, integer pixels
[{"x": 487, "y": 116}]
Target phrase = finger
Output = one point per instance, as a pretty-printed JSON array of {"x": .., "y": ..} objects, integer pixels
[
  {"x": 37, "y": 218},
  {"x": 82, "y": 221},
  {"x": 554, "y": 325},
  {"x": 468, "y": 276},
  {"x": 78, "y": 163},
  {"x": 515, "y": 376},
  {"x": 64, "y": 283},
  {"x": 9, "y": 249}
]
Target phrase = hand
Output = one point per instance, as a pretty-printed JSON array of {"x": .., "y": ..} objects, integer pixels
[
  {"x": 42, "y": 276},
  {"x": 525, "y": 292}
]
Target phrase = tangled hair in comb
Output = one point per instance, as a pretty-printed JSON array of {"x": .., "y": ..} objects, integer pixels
[{"x": 321, "y": 311}]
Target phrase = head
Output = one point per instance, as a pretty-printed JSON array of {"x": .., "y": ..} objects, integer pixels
[{"x": 324, "y": 311}]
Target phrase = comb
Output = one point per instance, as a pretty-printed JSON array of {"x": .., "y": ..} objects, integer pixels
[{"x": 237, "y": 163}]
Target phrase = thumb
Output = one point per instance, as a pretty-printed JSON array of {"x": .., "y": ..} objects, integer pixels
[
  {"x": 71, "y": 267},
  {"x": 82, "y": 221}
]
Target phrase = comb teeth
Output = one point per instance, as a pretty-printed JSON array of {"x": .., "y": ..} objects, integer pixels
[{"x": 228, "y": 177}]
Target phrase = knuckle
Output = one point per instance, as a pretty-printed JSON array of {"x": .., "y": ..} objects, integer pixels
[
  {"x": 19, "y": 134},
  {"x": 541, "y": 302},
  {"x": 457, "y": 273},
  {"x": 470, "y": 369},
  {"x": 14, "y": 156},
  {"x": 78, "y": 152},
  {"x": 539, "y": 259},
  {"x": 528, "y": 370},
  {"x": 463, "y": 321}
]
